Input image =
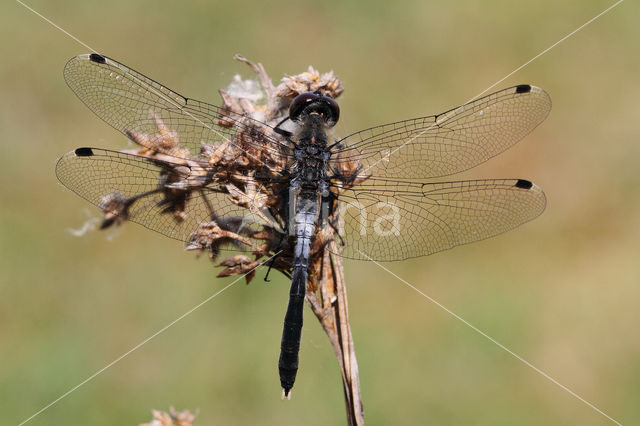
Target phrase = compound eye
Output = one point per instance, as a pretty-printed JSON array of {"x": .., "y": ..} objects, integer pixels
[
  {"x": 299, "y": 103},
  {"x": 334, "y": 109}
]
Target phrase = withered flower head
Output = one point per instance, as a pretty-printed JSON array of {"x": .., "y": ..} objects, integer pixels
[
  {"x": 248, "y": 165},
  {"x": 309, "y": 81},
  {"x": 255, "y": 198},
  {"x": 176, "y": 188},
  {"x": 172, "y": 418},
  {"x": 211, "y": 236},
  {"x": 115, "y": 208},
  {"x": 164, "y": 142},
  {"x": 350, "y": 168},
  {"x": 238, "y": 264},
  {"x": 219, "y": 155}
]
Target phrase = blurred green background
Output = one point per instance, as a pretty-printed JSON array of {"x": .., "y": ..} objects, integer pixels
[{"x": 562, "y": 291}]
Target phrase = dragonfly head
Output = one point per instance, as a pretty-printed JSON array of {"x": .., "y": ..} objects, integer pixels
[{"x": 310, "y": 103}]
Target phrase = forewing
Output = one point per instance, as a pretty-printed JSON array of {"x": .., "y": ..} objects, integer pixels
[
  {"x": 132, "y": 102},
  {"x": 388, "y": 220},
  {"x": 447, "y": 143},
  {"x": 98, "y": 175}
]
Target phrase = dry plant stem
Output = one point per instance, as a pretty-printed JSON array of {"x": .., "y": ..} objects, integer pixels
[
  {"x": 265, "y": 81},
  {"x": 327, "y": 296},
  {"x": 329, "y": 304},
  {"x": 237, "y": 167},
  {"x": 329, "y": 300}
]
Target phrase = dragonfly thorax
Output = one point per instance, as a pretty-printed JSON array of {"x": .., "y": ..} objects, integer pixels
[{"x": 311, "y": 152}]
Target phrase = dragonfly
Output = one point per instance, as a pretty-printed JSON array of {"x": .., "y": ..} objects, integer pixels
[{"x": 275, "y": 183}]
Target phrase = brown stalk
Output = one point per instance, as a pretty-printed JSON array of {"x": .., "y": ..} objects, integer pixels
[
  {"x": 328, "y": 301},
  {"x": 237, "y": 167},
  {"x": 326, "y": 291}
]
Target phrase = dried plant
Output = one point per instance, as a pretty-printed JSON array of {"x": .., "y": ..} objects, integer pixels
[
  {"x": 172, "y": 418},
  {"x": 257, "y": 171},
  {"x": 248, "y": 173}
]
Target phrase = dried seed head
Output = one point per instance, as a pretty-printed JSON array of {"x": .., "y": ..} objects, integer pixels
[
  {"x": 175, "y": 202},
  {"x": 211, "y": 236},
  {"x": 350, "y": 166},
  {"x": 238, "y": 264},
  {"x": 165, "y": 141},
  {"x": 215, "y": 153},
  {"x": 115, "y": 208},
  {"x": 245, "y": 89},
  {"x": 173, "y": 418},
  {"x": 248, "y": 165},
  {"x": 254, "y": 198},
  {"x": 309, "y": 81},
  {"x": 208, "y": 236},
  {"x": 230, "y": 105}
]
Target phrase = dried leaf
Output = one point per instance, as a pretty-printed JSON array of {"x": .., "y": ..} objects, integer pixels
[{"x": 238, "y": 264}]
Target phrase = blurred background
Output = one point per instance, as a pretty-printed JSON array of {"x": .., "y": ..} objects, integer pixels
[{"x": 562, "y": 291}]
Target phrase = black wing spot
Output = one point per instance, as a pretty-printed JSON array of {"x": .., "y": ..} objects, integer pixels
[
  {"x": 524, "y": 184},
  {"x": 83, "y": 152},
  {"x": 523, "y": 88},
  {"x": 94, "y": 57}
]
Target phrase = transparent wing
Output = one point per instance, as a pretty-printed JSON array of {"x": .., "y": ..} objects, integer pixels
[
  {"x": 451, "y": 142},
  {"x": 138, "y": 189},
  {"x": 131, "y": 102},
  {"x": 386, "y": 220}
]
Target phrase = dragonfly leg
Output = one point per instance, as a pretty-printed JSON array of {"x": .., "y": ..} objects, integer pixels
[
  {"x": 278, "y": 130},
  {"x": 273, "y": 259},
  {"x": 342, "y": 243}
]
